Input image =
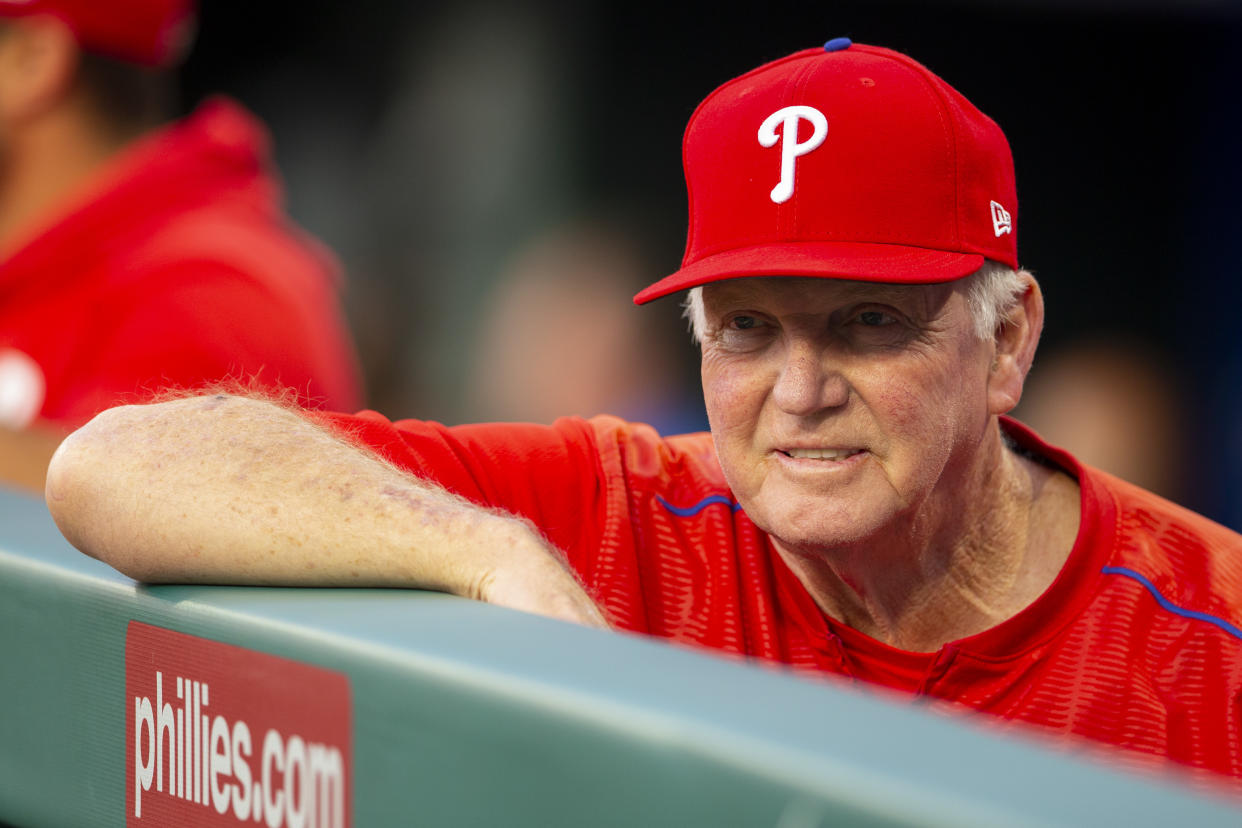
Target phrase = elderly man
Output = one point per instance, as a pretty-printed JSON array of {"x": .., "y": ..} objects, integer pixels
[{"x": 860, "y": 508}]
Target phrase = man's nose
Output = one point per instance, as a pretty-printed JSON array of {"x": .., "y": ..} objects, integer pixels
[{"x": 808, "y": 381}]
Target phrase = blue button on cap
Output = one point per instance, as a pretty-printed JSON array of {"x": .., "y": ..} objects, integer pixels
[{"x": 837, "y": 44}]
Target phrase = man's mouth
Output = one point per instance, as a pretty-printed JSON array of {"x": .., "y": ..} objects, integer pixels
[{"x": 819, "y": 454}]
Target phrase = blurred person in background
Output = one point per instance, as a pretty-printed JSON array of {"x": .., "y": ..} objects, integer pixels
[
  {"x": 139, "y": 252},
  {"x": 1117, "y": 405},
  {"x": 558, "y": 337}
]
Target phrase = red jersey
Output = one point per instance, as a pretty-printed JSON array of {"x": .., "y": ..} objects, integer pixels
[
  {"x": 1137, "y": 643},
  {"x": 173, "y": 267}
]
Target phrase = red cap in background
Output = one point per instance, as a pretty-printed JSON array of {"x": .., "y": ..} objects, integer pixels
[
  {"x": 848, "y": 162},
  {"x": 148, "y": 32}
]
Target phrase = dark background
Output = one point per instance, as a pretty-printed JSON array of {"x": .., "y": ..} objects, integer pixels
[{"x": 426, "y": 141}]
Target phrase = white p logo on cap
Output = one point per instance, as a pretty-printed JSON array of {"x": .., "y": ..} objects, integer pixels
[{"x": 788, "y": 117}]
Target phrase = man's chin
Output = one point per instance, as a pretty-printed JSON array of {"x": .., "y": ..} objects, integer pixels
[{"x": 814, "y": 523}]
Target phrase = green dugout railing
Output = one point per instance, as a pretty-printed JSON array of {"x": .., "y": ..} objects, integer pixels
[{"x": 439, "y": 711}]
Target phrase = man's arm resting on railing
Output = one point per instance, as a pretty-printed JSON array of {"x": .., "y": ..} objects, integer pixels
[{"x": 232, "y": 490}]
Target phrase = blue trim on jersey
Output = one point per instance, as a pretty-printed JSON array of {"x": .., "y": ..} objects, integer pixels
[
  {"x": 691, "y": 511},
  {"x": 1170, "y": 606}
]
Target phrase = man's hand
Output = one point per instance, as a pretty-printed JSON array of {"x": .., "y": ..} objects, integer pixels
[
  {"x": 535, "y": 582},
  {"x": 231, "y": 490}
]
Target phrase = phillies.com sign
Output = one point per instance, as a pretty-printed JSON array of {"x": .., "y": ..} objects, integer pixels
[{"x": 222, "y": 735}]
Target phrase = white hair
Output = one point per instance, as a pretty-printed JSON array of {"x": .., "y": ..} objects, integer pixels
[{"x": 992, "y": 292}]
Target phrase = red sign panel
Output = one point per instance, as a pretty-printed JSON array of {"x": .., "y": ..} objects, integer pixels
[{"x": 222, "y": 735}]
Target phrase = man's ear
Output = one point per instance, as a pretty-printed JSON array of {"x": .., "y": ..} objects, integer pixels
[
  {"x": 38, "y": 61},
  {"x": 1015, "y": 342}
]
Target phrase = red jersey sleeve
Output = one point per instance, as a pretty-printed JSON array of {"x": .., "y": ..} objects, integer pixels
[{"x": 647, "y": 522}]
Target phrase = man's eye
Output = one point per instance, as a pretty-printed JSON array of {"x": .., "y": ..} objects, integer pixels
[
  {"x": 743, "y": 332},
  {"x": 875, "y": 318}
]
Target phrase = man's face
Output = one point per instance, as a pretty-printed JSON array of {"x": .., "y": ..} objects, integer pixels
[{"x": 844, "y": 410}]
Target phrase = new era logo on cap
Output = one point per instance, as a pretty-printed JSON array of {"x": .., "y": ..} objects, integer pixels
[
  {"x": 1001, "y": 222},
  {"x": 866, "y": 166}
]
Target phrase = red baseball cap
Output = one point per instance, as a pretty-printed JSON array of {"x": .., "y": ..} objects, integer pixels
[
  {"x": 148, "y": 32},
  {"x": 843, "y": 162}
]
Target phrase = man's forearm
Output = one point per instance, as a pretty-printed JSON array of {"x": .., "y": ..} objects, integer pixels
[{"x": 225, "y": 489}]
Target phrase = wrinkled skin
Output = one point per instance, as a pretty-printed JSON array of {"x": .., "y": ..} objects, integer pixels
[{"x": 857, "y": 424}]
